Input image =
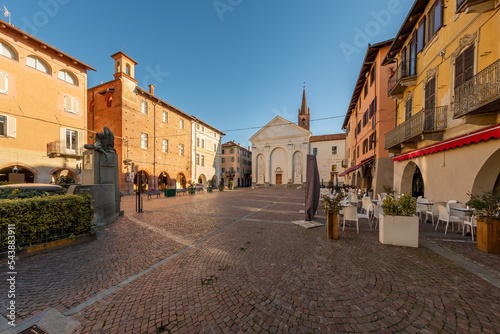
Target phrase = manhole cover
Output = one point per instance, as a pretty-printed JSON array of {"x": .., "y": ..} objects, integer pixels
[{"x": 34, "y": 330}]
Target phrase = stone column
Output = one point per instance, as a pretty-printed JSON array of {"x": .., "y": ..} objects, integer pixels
[
  {"x": 290, "y": 170},
  {"x": 267, "y": 166}
]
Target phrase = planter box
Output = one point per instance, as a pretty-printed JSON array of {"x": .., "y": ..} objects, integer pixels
[
  {"x": 488, "y": 235},
  {"x": 170, "y": 192},
  {"x": 398, "y": 230}
]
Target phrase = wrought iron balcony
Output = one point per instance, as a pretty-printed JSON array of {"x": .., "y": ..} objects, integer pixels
[
  {"x": 480, "y": 94},
  {"x": 58, "y": 149},
  {"x": 344, "y": 163},
  {"x": 404, "y": 77},
  {"x": 230, "y": 173},
  {"x": 475, "y": 6},
  {"x": 425, "y": 121}
]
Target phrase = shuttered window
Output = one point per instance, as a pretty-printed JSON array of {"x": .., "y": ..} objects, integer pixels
[
  {"x": 430, "y": 94},
  {"x": 421, "y": 35},
  {"x": 70, "y": 104},
  {"x": 144, "y": 107},
  {"x": 71, "y": 139},
  {"x": 68, "y": 77},
  {"x": 408, "y": 109},
  {"x": 165, "y": 146},
  {"x": 37, "y": 64},
  {"x": 4, "y": 83},
  {"x": 7, "y": 51},
  {"x": 3, "y": 123},
  {"x": 144, "y": 141},
  {"x": 464, "y": 66}
]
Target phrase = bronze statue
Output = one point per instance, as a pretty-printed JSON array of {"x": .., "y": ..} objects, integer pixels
[{"x": 104, "y": 142}]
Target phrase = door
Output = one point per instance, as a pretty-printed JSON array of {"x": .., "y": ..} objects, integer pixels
[{"x": 278, "y": 180}]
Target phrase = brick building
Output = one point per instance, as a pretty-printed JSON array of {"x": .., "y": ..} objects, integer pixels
[{"x": 151, "y": 136}]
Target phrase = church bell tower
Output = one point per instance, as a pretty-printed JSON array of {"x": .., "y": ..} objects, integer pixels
[{"x": 304, "y": 115}]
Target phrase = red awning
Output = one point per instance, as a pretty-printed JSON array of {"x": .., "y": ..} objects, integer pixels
[
  {"x": 471, "y": 138},
  {"x": 364, "y": 162}
]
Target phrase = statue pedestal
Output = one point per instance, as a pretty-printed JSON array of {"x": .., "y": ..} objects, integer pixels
[{"x": 100, "y": 178}]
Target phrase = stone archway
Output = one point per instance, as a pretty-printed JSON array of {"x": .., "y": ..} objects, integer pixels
[
  {"x": 278, "y": 159},
  {"x": 18, "y": 173},
  {"x": 141, "y": 177},
  {"x": 488, "y": 177},
  {"x": 64, "y": 175},
  {"x": 180, "y": 181},
  {"x": 411, "y": 178},
  {"x": 163, "y": 181},
  {"x": 202, "y": 179}
]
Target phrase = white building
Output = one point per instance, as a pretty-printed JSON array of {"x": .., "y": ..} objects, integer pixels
[
  {"x": 205, "y": 152},
  {"x": 281, "y": 147}
]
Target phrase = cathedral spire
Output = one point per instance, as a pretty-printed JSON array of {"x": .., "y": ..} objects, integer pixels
[{"x": 304, "y": 114}]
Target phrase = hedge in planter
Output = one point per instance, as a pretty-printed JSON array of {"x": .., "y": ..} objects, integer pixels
[{"x": 45, "y": 219}]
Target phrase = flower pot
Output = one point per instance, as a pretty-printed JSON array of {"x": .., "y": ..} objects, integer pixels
[
  {"x": 398, "y": 230},
  {"x": 488, "y": 235}
]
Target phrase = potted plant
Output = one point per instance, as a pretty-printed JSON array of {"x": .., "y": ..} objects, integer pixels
[
  {"x": 398, "y": 222},
  {"x": 191, "y": 187},
  {"x": 231, "y": 184},
  {"x": 487, "y": 210},
  {"x": 369, "y": 193},
  {"x": 221, "y": 185},
  {"x": 332, "y": 207},
  {"x": 209, "y": 186}
]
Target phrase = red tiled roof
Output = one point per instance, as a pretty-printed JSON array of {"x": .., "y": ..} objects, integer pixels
[{"x": 338, "y": 136}]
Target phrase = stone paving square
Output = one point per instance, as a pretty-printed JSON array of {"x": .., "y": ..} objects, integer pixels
[{"x": 232, "y": 262}]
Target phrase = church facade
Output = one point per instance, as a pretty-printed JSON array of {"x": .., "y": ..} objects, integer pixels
[{"x": 280, "y": 149}]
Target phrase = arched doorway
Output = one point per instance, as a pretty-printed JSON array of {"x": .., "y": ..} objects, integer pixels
[
  {"x": 63, "y": 176},
  {"x": 412, "y": 181},
  {"x": 214, "y": 181},
  {"x": 278, "y": 161},
  {"x": 163, "y": 181},
  {"x": 417, "y": 183},
  {"x": 202, "y": 179},
  {"x": 180, "y": 181},
  {"x": 17, "y": 174},
  {"x": 141, "y": 177},
  {"x": 279, "y": 177},
  {"x": 488, "y": 177}
]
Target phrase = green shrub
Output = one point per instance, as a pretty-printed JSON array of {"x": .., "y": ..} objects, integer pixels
[
  {"x": 44, "y": 219},
  {"x": 12, "y": 193},
  {"x": 404, "y": 206}
]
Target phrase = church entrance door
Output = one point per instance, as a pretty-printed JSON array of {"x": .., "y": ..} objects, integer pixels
[{"x": 278, "y": 180}]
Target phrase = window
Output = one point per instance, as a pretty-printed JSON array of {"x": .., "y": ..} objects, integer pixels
[
  {"x": 181, "y": 124},
  {"x": 372, "y": 141},
  {"x": 109, "y": 100},
  {"x": 165, "y": 145},
  {"x": 144, "y": 107},
  {"x": 366, "y": 89},
  {"x": 70, "y": 104},
  {"x": 215, "y": 147},
  {"x": 365, "y": 117},
  {"x": 372, "y": 108},
  {"x": 231, "y": 151},
  {"x": 4, "y": 83},
  {"x": 430, "y": 94},
  {"x": 203, "y": 128},
  {"x": 197, "y": 142},
  {"x": 68, "y": 77},
  {"x": 7, "y": 51},
  {"x": 202, "y": 160},
  {"x": 359, "y": 127},
  {"x": 223, "y": 160},
  {"x": 334, "y": 168},
  {"x": 127, "y": 69},
  {"x": 232, "y": 159},
  {"x": 408, "y": 109},
  {"x": 197, "y": 159},
  {"x": 372, "y": 75},
  {"x": 197, "y": 126},
  {"x": 435, "y": 18},
  {"x": 238, "y": 170},
  {"x": 238, "y": 159},
  {"x": 231, "y": 169},
  {"x": 223, "y": 170},
  {"x": 144, "y": 141},
  {"x": 357, "y": 151},
  {"x": 37, "y": 64},
  {"x": 315, "y": 151},
  {"x": 464, "y": 66},
  {"x": 7, "y": 126},
  {"x": 71, "y": 139},
  {"x": 334, "y": 150},
  {"x": 365, "y": 146},
  {"x": 421, "y": 40},
  {"x": 181, "y": 150},
  {"x": 222, "y": 152},
  {"x": 203, "y": 143},
  {"x": 165, "y": 116}
]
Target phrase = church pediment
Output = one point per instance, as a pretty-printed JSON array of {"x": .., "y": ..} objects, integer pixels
[{"x": 279, "y": 128}]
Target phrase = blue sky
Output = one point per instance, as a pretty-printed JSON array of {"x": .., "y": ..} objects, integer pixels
[{"x": 232, "y": 63}]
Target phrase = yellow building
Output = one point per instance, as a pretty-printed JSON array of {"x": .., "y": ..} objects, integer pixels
[
  {"x": 42, "y": 109},
  {"x": 447, "y": 91}
]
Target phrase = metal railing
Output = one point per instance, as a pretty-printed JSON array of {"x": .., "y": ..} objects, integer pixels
[
  {"x": 426, "y": 120},
  {"x": 479, "y": 90},
  {"x": 344, "y": 163},
  {"x": 230, "y": 173},
  {"x": 56, "y": 148},
  {"x": 405, "y": 69}
]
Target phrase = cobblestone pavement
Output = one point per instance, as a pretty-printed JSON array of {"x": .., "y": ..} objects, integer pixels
[{"x": 232, "y": 262}]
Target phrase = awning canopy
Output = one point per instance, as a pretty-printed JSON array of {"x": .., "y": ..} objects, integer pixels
[
  {"x": 471, "y": 138},
  {"x": 364, "y": 162}
]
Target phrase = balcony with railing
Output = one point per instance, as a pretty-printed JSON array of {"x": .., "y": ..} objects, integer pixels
[
  {"x": 404, "y": 77},
  {"x": 475, "y": 6},
  {"x": 230, "y": 173},
  {"x": 58, "y": 149},
  {"x": 344, "y": 163},
  {"x": 426, "y": 121},
  {"x": 480, "y": 94}
]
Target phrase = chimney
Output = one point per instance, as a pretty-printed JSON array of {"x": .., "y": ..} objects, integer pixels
[
  {"x": 249, "y": 148},
  {"x": 152, "y": 89}
]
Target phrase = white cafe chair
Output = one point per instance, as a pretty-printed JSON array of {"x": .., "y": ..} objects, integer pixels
[
  {"x": 473, "y": 225},
  {"x": 444, "y": 216}
]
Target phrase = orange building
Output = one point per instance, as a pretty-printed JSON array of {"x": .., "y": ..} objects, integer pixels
[
  {"x": 369, "y": 117},
  {"x": 151, "y": 136},
  {"x": 236, "y": 165},
  {"x": 43, "y": 114}
]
